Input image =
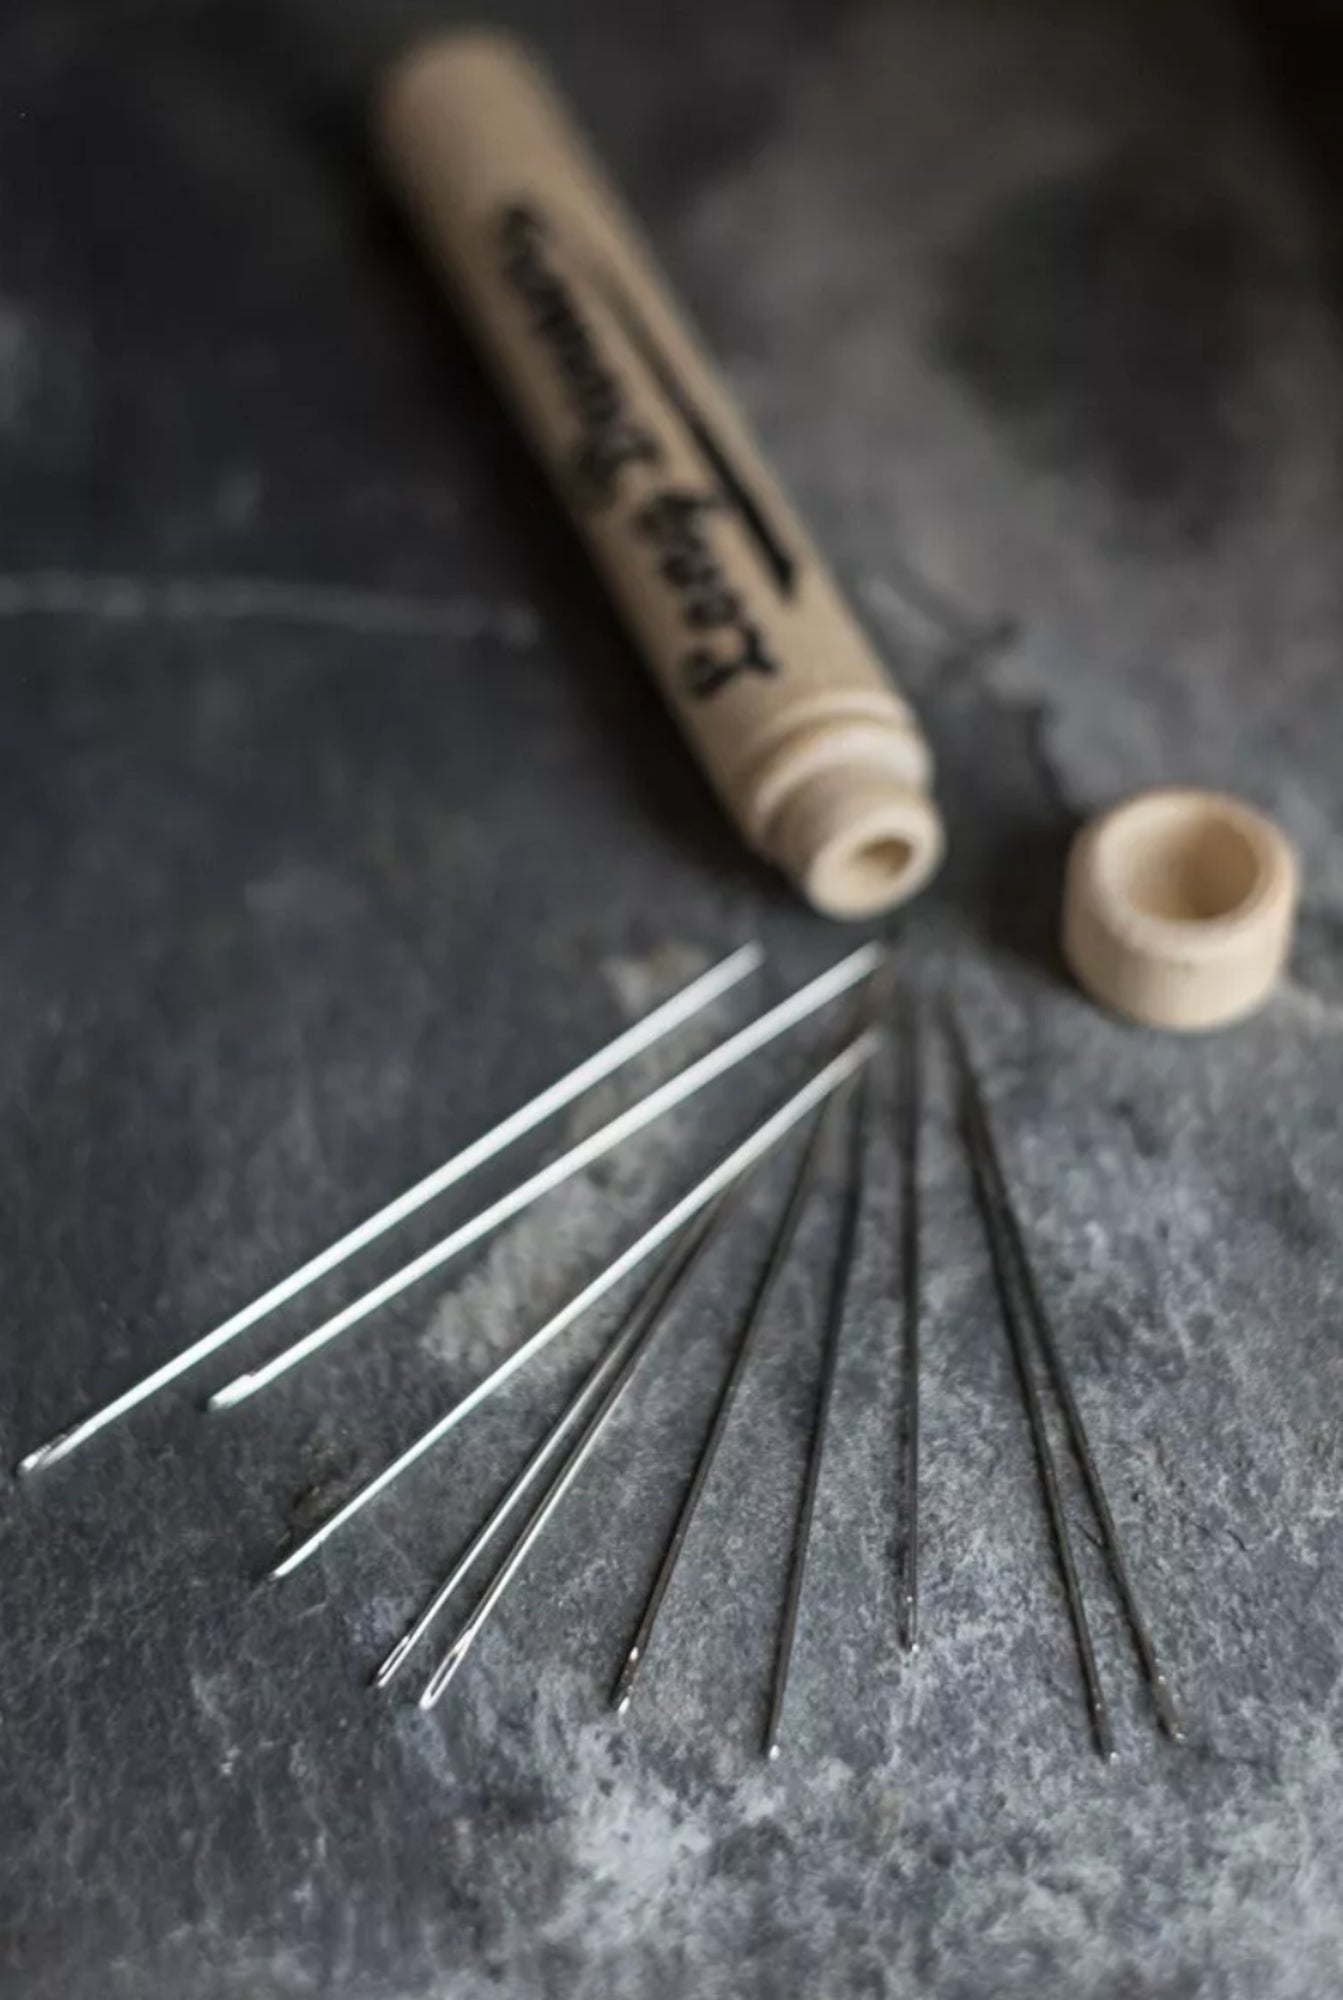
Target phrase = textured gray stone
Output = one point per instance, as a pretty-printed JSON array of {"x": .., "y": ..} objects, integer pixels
[{"x": 335, "y": 814}]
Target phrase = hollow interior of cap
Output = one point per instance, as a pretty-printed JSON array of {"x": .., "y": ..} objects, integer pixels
[
  {"x": 1190, "y": 863},
  {"x": 875, "y": 868},
  {"x": 859, "y": 877}
]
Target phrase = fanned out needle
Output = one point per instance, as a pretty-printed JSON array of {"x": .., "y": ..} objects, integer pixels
[
  {"x": 911, "y": 1119},
  {"x": 839, "y": 1294},
  {"x": 635, "y": 1040},
  {"x": 649, "y": 1313},
  {"x": 728, "y": 1169},
  {"x": 1168, "y": 1714},
  {"x": 780, "y": 1250},
  {"x": 1000, "y": 1249},
  {"x": 647, "y": 1322},
  {"x": 746, "y": 1042}
]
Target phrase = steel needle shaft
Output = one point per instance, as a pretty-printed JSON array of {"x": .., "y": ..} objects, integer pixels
[
  {"x": 634, "y": 1041},
  {"x": 1000, "y": 1251},
  {"x": 911, "y": 1111},
  {"x": 648, "y": 1323},
  {"x": 839, "y": 1294},
  {"x": 1163, "y": 1699},
  {"x": 759, "y": 1313},
  {"x": 751, "y": 1149},
  {"x": 766, "y": 1028},
  {"x": 650, "y": 1310}
]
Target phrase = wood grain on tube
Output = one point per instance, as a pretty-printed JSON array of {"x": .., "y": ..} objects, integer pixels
[{"x": 818, "y": 760}]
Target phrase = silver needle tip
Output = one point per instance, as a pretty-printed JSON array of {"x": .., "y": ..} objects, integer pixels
[
  {"x": 393, "y": 1664},
  {"x": 1167, "y": 1713},
  {"x": 234, "y": 1392},
  {"x": 46, "y": 1454}
]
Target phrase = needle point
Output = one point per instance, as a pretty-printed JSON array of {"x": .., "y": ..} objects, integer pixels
[
  {"x": 234, "y": 1392},
  {"x": 47, "y": 1454},
  {"x": 392, "y": 1665}
]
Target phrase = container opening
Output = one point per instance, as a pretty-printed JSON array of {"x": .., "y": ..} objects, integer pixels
[{"x": 878, "y": 864}]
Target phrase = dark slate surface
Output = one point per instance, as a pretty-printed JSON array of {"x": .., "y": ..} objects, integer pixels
[{"x": 334, "y": 815}]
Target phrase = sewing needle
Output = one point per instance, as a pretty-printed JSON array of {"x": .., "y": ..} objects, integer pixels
[
  {"x": 634, "y": 1041},
  {"x": 751, "y": 1149},
  {"x": 746, "y": 1042},
  {"x": 1163, "y": 1699},
  {"x": 780, "y": 1251},
  {"x": 650, "y": 1310},
  {"x": 839, "y": 1295}
]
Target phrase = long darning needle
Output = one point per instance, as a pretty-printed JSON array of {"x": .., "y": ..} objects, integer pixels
[
  {"x": 634, "y": 1041},
  {"x": 911, "y": 1116},
  {"x": 648, "y": 1322},
  {"x": 649, "y": 1311},
  {"x": 839, "y": 1294},
  {"x": 766, "y": 1028},
  {"x": 778, "y": 1258},
  {"x": 751, "y": 1149},
  {"x": 1000, "y": 1250},
  {"x": 1163, "y": 1699}
]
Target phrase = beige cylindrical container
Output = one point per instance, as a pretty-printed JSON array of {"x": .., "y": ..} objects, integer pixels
[
  {"x": 816, "y": 757},
  {"x": 1178, "y": 908}
]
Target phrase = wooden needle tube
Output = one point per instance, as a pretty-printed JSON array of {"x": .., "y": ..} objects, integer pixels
[{"x": 815, "y": 756}]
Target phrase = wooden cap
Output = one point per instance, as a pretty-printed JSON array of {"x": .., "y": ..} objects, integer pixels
[{"x": 1178, "y": 908}]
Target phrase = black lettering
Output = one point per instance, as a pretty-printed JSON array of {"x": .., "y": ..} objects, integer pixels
[
  {"x": 688, "y": 569},
  {"x": 718, "y": 607},
  {"x": 609, "y": 440},
  {"x": 676, "y": 520},
  {"x": 706, "y": 674},
  {"x": 600, "y": 459}
]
